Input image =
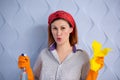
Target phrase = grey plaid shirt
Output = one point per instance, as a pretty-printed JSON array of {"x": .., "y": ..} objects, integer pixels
[{"x": 74, "y": 67}]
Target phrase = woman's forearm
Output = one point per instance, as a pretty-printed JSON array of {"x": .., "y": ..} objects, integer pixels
[{"x": 92, "y": 75}]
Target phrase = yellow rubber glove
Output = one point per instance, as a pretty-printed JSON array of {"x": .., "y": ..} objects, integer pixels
[
  {"x": 97, "y": 61},
  {"x": 24, "y": 62}
]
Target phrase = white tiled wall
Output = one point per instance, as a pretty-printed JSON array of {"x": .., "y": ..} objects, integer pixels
[{"x": 23, "y": 29}]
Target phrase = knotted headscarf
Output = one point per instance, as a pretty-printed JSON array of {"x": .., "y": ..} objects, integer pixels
[{"x": 62, "y": 15}]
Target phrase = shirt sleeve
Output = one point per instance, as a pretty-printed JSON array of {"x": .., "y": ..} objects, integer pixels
[
  {"x": 37, "y": 68},
  {"x": 85, "y": 67}
]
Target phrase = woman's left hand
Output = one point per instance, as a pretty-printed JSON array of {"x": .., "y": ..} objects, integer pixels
[{"x": 97, "y": 61}]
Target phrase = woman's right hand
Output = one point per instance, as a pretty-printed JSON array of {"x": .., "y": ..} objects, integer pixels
[{"x": 23, "y": 62}]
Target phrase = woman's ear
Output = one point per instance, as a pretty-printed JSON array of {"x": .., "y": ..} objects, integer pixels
[{"x": 71, "y": 29}]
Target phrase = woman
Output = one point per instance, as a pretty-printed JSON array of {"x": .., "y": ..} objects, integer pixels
[{"x": 61, "y": 60}]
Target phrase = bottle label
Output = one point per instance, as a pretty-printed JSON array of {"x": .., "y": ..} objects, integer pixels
[{"x": 24, "y": 76}]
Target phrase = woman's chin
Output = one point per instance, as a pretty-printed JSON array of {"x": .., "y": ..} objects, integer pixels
[{"x": 59, "y": 43}]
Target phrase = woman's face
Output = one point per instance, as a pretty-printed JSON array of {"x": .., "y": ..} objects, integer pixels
[{"x": 61, "y": 31}]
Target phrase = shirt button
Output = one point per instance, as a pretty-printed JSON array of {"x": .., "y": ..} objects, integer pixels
[
  {"x": 59, "y": 65},
  {"x": 57, "y": 79}
]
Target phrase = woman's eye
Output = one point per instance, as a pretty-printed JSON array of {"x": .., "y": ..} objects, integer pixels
[
  {"x": 63, "y": 28},
  {"x": 54, "y": 28}
]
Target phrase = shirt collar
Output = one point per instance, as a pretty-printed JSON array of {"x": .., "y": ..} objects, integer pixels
[{"x": 53, "y": 46}]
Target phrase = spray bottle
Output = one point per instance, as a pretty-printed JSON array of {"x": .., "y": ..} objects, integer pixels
[{"x": 24, "y": 73}]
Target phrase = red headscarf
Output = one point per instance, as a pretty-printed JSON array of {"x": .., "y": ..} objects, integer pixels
[{"x": 63, "y": 15}]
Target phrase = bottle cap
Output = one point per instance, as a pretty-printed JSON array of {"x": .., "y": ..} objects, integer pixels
[{"x": 23, "y": 54}]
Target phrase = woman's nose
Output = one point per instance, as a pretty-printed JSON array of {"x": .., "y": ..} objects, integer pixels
[{"x": 59, "y": 32}]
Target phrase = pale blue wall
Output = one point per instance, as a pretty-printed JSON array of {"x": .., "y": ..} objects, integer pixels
[{"x": 23, "y": 29}]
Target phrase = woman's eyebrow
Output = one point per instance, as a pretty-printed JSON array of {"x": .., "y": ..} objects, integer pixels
[{"x": 53, "y": 25}]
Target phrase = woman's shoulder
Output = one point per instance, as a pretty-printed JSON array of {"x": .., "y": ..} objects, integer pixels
[
  {"x": 83, "y": 53},
  {"x": 44, "y": 50},
  {"x": 79, "y": 50}
]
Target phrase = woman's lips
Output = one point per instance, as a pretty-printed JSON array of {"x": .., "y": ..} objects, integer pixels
[{"x": 59, "y": 39}]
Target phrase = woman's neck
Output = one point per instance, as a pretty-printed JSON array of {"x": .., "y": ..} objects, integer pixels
[
  {"x": 64, "y": 47},
  {"x": 63, "y": 50}
]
